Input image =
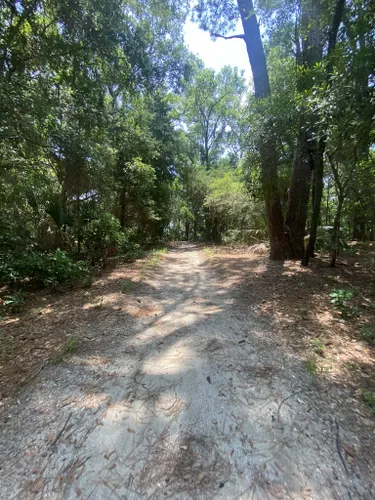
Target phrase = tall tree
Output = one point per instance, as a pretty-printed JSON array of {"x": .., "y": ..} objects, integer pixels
[
  {"x": 211, "y": 103},
  {"x": 213, "y": 14}
]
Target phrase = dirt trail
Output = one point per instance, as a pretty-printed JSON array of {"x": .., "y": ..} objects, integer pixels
[{"x": 189, "y": 398}]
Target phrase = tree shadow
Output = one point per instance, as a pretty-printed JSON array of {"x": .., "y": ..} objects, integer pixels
[{"x": 208, "y": 394}]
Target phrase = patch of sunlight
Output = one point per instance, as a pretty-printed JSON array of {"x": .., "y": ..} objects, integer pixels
[
  {"x": 92, "y": 361},
  {"x": 107, "y": 300},
  {"x": 92, "y": 400},
  {"x": 171, "y": 361},
  {"x": 118, "y": 411},
  {"x": 153, "y": 260},
  {"x": 169, "y": 404},
  {"x": 9, "y": 321}
]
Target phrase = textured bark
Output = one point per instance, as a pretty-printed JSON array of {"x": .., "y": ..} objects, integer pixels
[
  {"x": 306, "y": 150},
  {"x": 296, "y": 216},
  {"x": 269, "y": 158},
  {"x": 318, "y": 166},
  {"x": 318, "y": 172}
]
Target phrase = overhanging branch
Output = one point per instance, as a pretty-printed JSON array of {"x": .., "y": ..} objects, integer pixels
[{"x": 216, "y": 35}]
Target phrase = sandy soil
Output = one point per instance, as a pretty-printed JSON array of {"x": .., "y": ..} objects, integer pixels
[{"x": 179, "y": 390}]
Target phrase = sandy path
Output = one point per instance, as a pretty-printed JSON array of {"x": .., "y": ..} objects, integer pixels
[{"x": 192, "y": 398}]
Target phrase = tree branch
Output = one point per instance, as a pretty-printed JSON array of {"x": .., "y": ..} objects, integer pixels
[{"x": 216, "y": 35}]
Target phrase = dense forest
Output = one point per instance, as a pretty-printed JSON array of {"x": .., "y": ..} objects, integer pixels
[{"x": 114, "y": 137}]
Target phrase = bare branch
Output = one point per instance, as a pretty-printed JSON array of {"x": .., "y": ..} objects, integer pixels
[{"x": 216, "y": 35}]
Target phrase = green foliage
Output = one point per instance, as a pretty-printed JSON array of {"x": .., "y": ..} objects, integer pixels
[
  {"x": 153, "y": 260},
  {"x": 340, "y": 299},
  {"x": 211, "y": 109},
  {"x": 369, "y": 399},
  {"x": 41, "y": 269},
  {"x": 312, "y": 365},
  {"x": 126, "y": 287},
  {"x": 11, "y": 303},
  {"x": 87, "y": 93},
  {"x": 318, "y": 345},
  {"x": 132, "y": 251},
  {"x": 324, "y": 239},
  {"x": 102, "y": 237},
  {"x": 367, "y": 334},
  {"x": 114, "y": 137},
  {"x": 71, "y": 345}
]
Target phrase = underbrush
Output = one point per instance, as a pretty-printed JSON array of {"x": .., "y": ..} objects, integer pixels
[{"x": 41, "y": 269}]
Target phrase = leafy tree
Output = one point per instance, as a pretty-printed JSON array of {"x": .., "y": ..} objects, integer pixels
[{"x": 211, "y": 106}]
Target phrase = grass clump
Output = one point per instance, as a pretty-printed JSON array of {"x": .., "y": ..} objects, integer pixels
[
  {"x": 318, "y": 346},
  {"x": 68, "y": 349},
  {"x": 367, "y": 335},
  {"x": 369, "y": 399},
  {"x": 126, "y": 287},
  {"x": 312, "y": 365},
  {"x": 71, "y": 345},
  {"x": 209, "y": 252},
  {"x": 153, "y": 259}
]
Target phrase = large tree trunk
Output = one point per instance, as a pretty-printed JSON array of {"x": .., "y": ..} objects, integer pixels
[
  {"x": 306, "y": 150},
  {"x": 267, "y": 146},
  {"x": 318, "y": 172},
  {"x": 296, "y": 216},
  {"x": 318, "y": 167}
]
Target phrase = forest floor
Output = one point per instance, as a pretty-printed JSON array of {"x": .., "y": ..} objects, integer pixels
[{"x": 202, "y": 373}]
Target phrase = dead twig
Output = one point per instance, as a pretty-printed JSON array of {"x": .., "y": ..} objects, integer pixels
[
  {"x": 338, "y": 446},
  {"x": 62, "y": 430},
  {"x": 286, "y": 399}
]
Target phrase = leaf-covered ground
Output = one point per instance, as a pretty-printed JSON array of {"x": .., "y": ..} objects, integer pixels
[{"x": 204, "y": 373}]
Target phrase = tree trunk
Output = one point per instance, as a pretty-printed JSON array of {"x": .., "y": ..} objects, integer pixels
[
  {"x": 336, "y": 231},
  {"x": 215, "y": 232},
  {"x": 328, "y": 215},
  {"x": 306, "y": 150},
  {"x": 371, "y": 237},
  {"x": 269, "y": 159},
  {"x": 296, "y": 216},
  {"x": 318, "y": 167},
  {"x": 318, "y": 173},
  {"x": 187, "y": 229}
]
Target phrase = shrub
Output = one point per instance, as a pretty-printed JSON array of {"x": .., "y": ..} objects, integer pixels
[
  {"x": 324, "y": 239},
  {"x": 131, "y": 250},
  {"x": 41, "y": 269},
  {"x": 11, "y": 303},
  {"x": 102, "y": 237},
  {"x": 340, "y": 299}
]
